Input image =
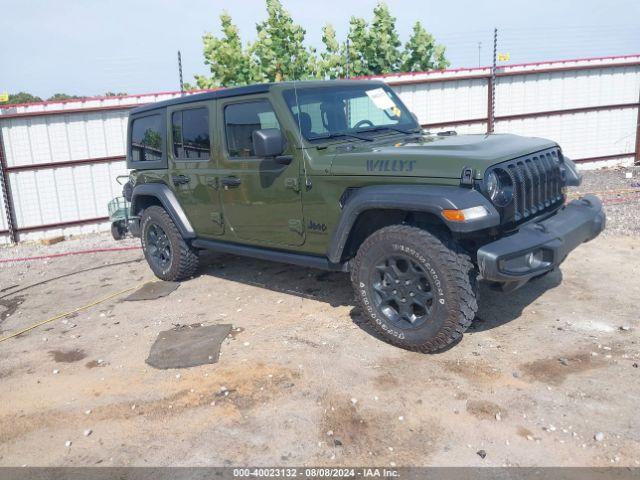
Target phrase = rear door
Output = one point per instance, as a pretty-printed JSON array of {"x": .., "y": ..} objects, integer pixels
[
  {"x": 260, "y": 197},
  {"x": 193, "y": 163}
]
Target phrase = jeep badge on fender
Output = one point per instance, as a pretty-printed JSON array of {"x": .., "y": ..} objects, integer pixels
[{"x": 338, "y": 175}]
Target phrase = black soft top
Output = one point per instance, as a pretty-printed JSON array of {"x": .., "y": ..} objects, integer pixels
[
  {"x": 223, "y": 92},
  {"x": 197, "y": 97}
]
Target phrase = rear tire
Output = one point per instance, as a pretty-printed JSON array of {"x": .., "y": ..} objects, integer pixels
[
  {"x": 415, "y": 290},
  {"x": 167, "y": 253}
]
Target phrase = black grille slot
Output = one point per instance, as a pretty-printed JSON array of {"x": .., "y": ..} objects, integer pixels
[{"x": 537, "y": 184}]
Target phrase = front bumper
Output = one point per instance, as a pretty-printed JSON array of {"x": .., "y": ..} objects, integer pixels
[{"x": 540, "y": 247}]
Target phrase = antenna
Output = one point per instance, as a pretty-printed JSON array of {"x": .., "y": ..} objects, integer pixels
[
  {"x": 479, "y": 53},
  {"x": 180, "y": 73}
]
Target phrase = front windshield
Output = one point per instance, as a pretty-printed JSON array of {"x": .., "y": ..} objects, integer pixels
[{"x": 348, "y": 110}]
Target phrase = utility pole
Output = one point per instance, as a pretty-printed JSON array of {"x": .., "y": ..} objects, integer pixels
[
  {"x": 479, "y": 53},
  {"x": 180, "y": 73}
]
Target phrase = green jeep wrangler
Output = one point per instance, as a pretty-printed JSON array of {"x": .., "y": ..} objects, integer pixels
[{"x": 338, "y": 175}]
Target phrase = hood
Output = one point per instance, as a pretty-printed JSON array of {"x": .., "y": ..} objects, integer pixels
[{"x": 432, "y": 155}]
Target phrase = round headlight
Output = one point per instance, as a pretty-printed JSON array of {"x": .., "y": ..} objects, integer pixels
[
  {"x": 493, "y": 185},
  {"x": 499, "y": 187}
]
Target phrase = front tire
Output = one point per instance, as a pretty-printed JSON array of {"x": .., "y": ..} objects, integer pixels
[
  {"x": 415, "y": 290},
  {"x": 167, "y": 253}
]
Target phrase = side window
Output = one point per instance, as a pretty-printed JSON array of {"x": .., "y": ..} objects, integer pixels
[
  {"x": 191, "y": 134},
  {"x": 146, "y": 139},
  {"x": 241, "y": 120}
]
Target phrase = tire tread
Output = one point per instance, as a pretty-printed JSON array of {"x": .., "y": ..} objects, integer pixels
[
  {"x": 188, "y": 258},
  {"x": 459, "y": 269}
]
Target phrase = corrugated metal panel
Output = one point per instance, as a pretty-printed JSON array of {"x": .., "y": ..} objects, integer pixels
[
  {"x": 439, "y": 102},
  {"x": 3, "y": 220},
  {"x": 566, "y": 89},
  {"x": 581, "y": 135},
  {"x": 65, "y": 194},
  {"x": 60, "y": 138}
]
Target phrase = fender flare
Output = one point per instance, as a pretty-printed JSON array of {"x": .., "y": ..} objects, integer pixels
[
  {"x": 169, "y": 202},
  {"x": 415, "y": 198}
]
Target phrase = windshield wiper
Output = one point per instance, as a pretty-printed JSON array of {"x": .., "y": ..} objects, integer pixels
[
  {"x": 338, "y": 135},
  {"x": 394, "y": 129}
]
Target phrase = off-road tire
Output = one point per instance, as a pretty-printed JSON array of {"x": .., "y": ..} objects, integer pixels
[
  {"x": 452, "y": 275},
  {"x": 184, "y": 259}
]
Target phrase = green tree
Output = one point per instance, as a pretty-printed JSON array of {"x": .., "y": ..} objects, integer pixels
[
  {"x": 57, "y": 97},
  {"x": 421, "y": 52},
  {"x": 359, "y": 51},
  {"x": 333, "y": 58},
  {"x": 189, "y": 87},
  {"x": 279, "y": 50},
  {"x": 383, "y": 54},
  {"x": 229, "y": 62},
  {"x": 152, "y": 139},
  {"x": 115, "y": 94},
  {"x": 22, "y": 97}
]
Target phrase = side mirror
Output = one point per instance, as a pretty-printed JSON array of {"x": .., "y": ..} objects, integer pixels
[{"x": 267, "y": 142}]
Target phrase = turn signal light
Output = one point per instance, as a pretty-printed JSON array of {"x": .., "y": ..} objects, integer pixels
[
  {"x": 465, "y": 215},
  {"x": 453, "y": 215}
]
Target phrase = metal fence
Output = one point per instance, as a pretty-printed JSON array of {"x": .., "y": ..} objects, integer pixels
[{"x": 59, "y": 160}]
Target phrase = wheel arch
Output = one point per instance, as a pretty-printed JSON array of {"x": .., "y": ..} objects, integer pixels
[
  {"x": 374, "y": 219},
  {"x": 370, "y": 208},
  {"x": 159, "y": 194}
]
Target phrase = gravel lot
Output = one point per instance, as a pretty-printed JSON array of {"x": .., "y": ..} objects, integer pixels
[
  {"x": 547, "y": 375},
  {"x": 620, "y": 195}
]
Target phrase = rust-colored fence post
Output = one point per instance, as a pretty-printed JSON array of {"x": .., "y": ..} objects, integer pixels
[
  {"x": 6, "y": 194},
  {"x": 490, "y": 105},
  {"x": 491, "y": 87}
]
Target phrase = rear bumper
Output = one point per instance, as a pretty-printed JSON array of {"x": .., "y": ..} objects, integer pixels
[{"x": 540, "y": 247}]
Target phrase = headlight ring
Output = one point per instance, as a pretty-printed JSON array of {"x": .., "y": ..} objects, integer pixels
[{"x": 499, "y": 187}]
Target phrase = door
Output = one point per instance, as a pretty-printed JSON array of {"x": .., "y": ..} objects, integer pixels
[
  {"x": 260, "y": 197},
  {"x": 193, "y": 163}
]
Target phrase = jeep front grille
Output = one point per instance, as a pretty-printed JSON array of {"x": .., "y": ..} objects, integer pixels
[{"x": 537, "y": 184}]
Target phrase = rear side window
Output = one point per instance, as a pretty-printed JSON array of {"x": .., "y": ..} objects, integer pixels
[
  {"x": 146, "y": 139},
  {"x": 191, "y": 134},
  {"x": 241, "y": 120}
]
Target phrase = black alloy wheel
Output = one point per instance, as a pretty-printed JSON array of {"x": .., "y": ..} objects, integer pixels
[
  {"x": 402, "y": 291},
  {"x": 158, "y": 246}
]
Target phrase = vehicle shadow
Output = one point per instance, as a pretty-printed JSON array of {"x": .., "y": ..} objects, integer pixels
[{"x": 495, "y": 307}]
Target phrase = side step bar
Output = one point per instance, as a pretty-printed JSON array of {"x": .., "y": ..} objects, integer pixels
[{"x": 312, "y": 261}]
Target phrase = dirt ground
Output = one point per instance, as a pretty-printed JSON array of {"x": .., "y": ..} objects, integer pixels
[{"x": 541, "y": 373}]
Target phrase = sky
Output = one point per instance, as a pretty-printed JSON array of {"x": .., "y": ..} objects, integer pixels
[{"x": 89, "y": 47}]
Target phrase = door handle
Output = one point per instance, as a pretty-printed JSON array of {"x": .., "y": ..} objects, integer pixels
[
  {"x": 231, "y": 182},
  {"x": 180, "y": 179}
]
